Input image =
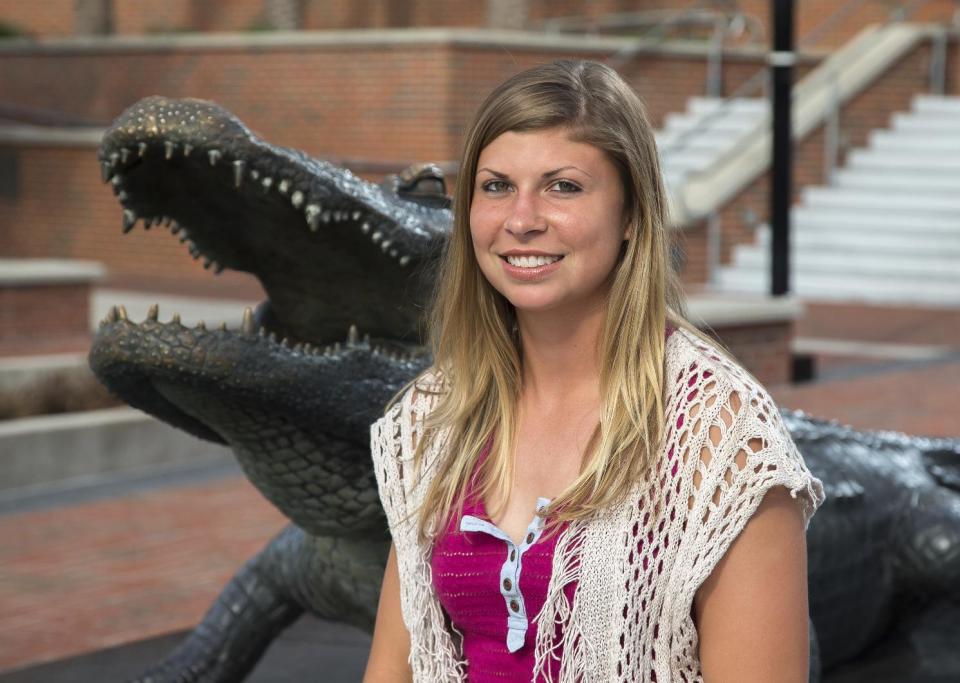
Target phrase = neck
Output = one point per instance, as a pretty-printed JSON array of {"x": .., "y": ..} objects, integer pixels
[{"x": 560, "y": 354}]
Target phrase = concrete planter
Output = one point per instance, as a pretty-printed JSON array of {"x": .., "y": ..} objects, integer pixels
[{"x": 56, "y": 448}]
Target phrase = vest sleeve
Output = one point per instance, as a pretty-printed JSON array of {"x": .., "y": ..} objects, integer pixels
[{"x": 744, "y": 451}]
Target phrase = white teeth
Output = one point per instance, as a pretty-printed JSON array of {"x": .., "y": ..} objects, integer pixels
[{"x": 531, "y": 261}]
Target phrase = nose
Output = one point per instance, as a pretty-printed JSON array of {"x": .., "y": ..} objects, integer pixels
[{"x": 525, "y": 216}]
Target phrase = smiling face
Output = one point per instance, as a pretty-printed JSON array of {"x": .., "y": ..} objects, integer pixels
[{"x": 547, "y": 220}]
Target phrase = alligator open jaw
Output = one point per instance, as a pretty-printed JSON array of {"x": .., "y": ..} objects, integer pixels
[{"x": 300, "y": 225}]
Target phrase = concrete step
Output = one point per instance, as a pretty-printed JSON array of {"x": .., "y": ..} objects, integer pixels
[
  {"x": 905, "y": 245},
  {"x": 844, "y": 287},
  {"x": 936, "y": 104},
  {"x": 856, "y": 262},
  {"x": 853, "y": 219},
  {"x": 913, "y": 142},
  {"x": 741, "y": 105},
  {"x": 908, "y": 163},
  {"x": 940, "y": 124},
  {"x": 871, "y": 202},
  {"x": 891, "y": 180}
]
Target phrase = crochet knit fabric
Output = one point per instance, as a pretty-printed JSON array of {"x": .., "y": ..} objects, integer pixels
[{"x": 637, "y": 564}]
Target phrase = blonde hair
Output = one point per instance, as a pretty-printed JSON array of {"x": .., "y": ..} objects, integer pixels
[{"x": 471, "y": 325}]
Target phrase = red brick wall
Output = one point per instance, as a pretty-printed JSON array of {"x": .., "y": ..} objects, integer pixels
[
  {"x": 56, "y": 17},
  {"x": 763, "y": 349},
  {"x": 44, "y": 318}
]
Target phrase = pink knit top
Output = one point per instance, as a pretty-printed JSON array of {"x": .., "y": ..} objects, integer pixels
[{"x": 491, "y": 588}]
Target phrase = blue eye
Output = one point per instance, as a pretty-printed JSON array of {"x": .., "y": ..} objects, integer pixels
[
  {"x": 494, "y": 186},
  {"x": 566, "y": 187}
]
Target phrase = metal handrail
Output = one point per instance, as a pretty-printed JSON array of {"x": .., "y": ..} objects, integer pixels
[{"x": 755, "y": 82}]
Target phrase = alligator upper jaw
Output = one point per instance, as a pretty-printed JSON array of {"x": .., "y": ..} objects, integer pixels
[{"x": 330, "y": 249}]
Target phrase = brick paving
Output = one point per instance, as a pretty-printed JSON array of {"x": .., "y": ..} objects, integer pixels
[{"x": 87, "y": 576}]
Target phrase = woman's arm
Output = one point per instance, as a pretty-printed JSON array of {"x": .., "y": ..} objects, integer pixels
[
  {"x": 752, "y": 613},
  {"x": 391, "y": 641}
]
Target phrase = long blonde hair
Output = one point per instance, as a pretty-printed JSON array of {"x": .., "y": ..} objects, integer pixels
[{"x": 471, "y": 326}]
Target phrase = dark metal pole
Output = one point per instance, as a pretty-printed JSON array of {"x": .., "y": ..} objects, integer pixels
[{"x": 782, "y": 59}]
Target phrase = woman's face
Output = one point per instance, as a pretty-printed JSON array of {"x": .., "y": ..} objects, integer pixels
[{"x": 547, "y": 220}]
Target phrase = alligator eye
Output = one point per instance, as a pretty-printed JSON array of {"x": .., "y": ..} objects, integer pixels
[{"x": 424, "y": 184}]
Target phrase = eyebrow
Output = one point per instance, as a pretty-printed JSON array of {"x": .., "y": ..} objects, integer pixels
[{"x": 548, "y": 174}]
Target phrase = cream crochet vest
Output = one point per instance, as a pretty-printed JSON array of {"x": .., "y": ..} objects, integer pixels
[{"x": 638, "y": 564}]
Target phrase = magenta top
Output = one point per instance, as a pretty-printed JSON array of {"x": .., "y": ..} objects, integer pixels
[{"x": 492, "y": 588}]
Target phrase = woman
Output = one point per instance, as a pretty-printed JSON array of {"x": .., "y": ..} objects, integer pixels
[{"x": 583, "y": 487}]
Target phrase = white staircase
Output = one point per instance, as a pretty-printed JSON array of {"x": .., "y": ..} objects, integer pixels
[
  {"x": 886, "y": 231},
  {"x": 694, "y": 140}
]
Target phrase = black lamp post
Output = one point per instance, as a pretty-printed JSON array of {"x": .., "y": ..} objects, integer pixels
[{"x": 781, "y": 59}]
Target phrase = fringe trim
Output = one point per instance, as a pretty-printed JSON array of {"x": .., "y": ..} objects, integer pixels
[{"x": 574, "y": 651}]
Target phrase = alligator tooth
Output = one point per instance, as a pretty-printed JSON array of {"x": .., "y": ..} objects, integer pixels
[
  {"x": 168, "y": 148},
  {"x": 124, "y": 155},
  {"x": 355, "y": 216},
  {"x": 377, "y": 236},
  {"x": 187, "y": 149},
  {"x": 121, "y": 312},
  {"x": 217, "y": 268},
  {"x": 262, "y": 332},
  {"x": 105, "y": 171},
  {"x": 296, "y": 199},
  {"x": 393, "y": 253},
  {"x": 111, "y": 315},
  {"x": 247, "y": 326},
  {"x": 207, "y": 262},
  {"x": 285, "y": 343},
  {"x": 336, "y": 347},
  {"x": 298, "y": 347},
  {"x": 273, "y": 337},
  {"x": 200, "y": 325},
  {"x": 386, "y": 245},
  {"x": 267, "y": 182},
  {"x": 153, "y": 312},
  {"x": 129, "y": 220},
  {"x": 326, "y": 216},
  {"x": 122, "y": 196},
  {"x": 238, "y": 167},
  {"x": 175, "y": 320},
  {"x": 307, "y": 348},
  {"x": 148, "y": 222},
  {"x": 114, "y": 158},
  {"x": 175, "y": 228},
  {"x": 214, "y": 156},
  {"x": 194, "y": 252},
  {"x": 327, "y": 351},
  {"x": 223, "y": 326},
  {"x": 313, "y": 216},
  {"x": 366, "y": 339},
  {"x": 283, "y": 187},
  {"x": 141, "y": 149},
  {"x": 365, "y": 227},
  {"x": 254, "y": 173},
  {"x": 352, "y": 335},
  {"x": 184, "y": 237},
  {"x": 404, "y": 260},
  {"x": 115, "y": 181},
  {"x": 338, "y": 216}
]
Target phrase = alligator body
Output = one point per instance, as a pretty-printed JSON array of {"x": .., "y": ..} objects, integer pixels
[{"x": 347, "y": 266}]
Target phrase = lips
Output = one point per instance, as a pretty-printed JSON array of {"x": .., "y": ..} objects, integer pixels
[{"x": 530, "y": 267}]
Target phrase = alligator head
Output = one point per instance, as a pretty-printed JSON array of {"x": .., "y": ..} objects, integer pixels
[{"x": 294, "y": 390}]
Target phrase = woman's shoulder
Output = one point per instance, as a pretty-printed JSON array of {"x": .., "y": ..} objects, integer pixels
[
  {"x": 414, "y": 400},
  {"x": 693, "y": 360}
]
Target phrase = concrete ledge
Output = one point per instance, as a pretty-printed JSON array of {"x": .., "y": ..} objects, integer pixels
[
  {"x": 365, "y": 38},
  {"x": 729, "y": 311},
  {"x": 40, "y": 450},
  {"x": 29, "y": 271},
  {"x": 49, "y": 136}
]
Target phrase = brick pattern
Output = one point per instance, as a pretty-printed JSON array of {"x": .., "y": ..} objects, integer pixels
[
  {"x": 763, "y": 349},
  {"x": 55, "y": 18},
  {"x": 109, "y": 572},
  {"x": 44, "y": 318}
]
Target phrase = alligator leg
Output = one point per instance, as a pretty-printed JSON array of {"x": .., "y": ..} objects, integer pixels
[{"x": 333, "y": 578}]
